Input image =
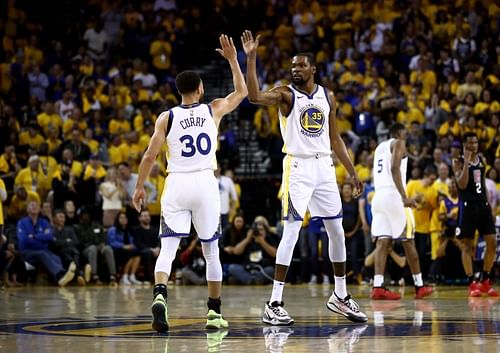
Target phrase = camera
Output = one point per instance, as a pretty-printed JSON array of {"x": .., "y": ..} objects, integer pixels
[{"x": 255, "y": 228}]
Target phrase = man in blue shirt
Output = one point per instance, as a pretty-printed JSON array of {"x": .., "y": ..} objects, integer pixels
[{"x": 34, "y": 235}]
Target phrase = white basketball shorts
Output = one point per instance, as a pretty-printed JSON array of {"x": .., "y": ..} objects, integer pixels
[
  {"x": 310, "y": 182},
  {"x": 190, "y": 197},
  {"x": 390, "y": 217}
]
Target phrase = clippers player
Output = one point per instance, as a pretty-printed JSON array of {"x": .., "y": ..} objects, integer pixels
[
  {"x": 308, "y": 127},
  {"x": 474, "y": 213},
  {"x": 392, "y": 216},
  {"x": 191, "y": 190}
]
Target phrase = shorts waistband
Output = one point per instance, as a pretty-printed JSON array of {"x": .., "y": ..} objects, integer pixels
[{"x": 307, "y": 156}]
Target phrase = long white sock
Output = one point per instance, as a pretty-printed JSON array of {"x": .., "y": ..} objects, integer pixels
[
  {"x": 418, "y": 280},
  {"x": 340, "y": 287},
  {"x": 277, "y": 294},
  {"x": 378, "y": 280}
]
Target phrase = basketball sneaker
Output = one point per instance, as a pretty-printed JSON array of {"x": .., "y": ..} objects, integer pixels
[
  {"x": 275, "y": 338},
  {"x": 345, "y": 339},
  {"x": 422, "y": 292},
  {"x": 160, "y": 318},
  {"x": 486, "y": 287},
  {"x": 215, "y": 321},
  {"x": 474, "y": 290},
  {"x": 382, "y": 293},
  {"x": 346, "y": 307},
  {"x": 276, "y": 315}
]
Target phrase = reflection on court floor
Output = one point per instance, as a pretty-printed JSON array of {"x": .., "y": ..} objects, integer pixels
[{"x": 114, "y": 320}]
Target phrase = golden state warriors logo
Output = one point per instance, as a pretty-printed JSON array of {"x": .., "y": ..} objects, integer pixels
[{"x": 312, "y": 121}]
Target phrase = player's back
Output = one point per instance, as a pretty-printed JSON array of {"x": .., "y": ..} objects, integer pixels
[
  {"x": 382, "y": 163},
  {"x": 191, "y": 139}
]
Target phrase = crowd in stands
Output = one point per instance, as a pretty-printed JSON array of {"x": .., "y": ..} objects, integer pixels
[{"x": 82, "y": 84}]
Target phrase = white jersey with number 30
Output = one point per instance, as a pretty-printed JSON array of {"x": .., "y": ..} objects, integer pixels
[
  {"x": 382, "y": 175},
  {"x": 191, "y": 139}
]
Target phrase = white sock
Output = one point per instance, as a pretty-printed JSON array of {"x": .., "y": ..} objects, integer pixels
[
  {"x": 125, "y": 277},
  {"x": 132, "y": 277},
  {"x": 418, "y": 280},
  {"x": 277, "y": 291},
  {"x": 340, "y": 287},
  {"x": 378, "y": 280}
]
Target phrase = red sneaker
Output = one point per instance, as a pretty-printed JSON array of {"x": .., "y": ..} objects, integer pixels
[
  {"x": 474, "y": 290},
  {"x": 382, "y": 293},
  {"x": 422, "y": 292},
  {"x": 487, "y": 287}
]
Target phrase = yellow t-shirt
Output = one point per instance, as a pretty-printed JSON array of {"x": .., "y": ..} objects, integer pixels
[
  {"x": 100, "y": 172},
  {"x": 159, "y": 183},
  {"x": 26, "y": 139},
  {"x": 70, "y": 124},
  {"x": 413, "y": 114},
  {"x": 45, "y": 121},
  {"x": 17, "y": 207},
  {"x": 4, "y": 191},
  {"x": 422, "y": 213},
  {"x": 117, "y": 127},
  {"x": 32, "y": 181},
  {"x": 160, "y": 52},
  {"x": 93, "y": 145}
]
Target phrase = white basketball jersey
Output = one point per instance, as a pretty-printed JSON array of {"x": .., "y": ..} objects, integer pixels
[
  {"x": 191, "y": 139},
  {"x": 305, "y": 130},
  {"x": 382, "y": 175}
]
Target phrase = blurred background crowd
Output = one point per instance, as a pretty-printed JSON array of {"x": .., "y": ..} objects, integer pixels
[{"x": 82, "y": 83}]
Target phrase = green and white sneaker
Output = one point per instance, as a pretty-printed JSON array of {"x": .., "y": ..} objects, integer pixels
[
  {"x": 215, "y": 321},
  {"x": 160, "y": 318}
]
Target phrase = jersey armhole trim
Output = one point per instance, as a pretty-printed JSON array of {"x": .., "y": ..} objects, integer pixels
[
  {"x": 170, "y": 121},
  {"x": 327, "y": 97},
  {"x": 210, "y": 110},
  {"x": 291, "y": 106}
]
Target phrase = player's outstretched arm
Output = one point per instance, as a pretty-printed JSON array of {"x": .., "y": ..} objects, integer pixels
[
  {"x": 222, "y": 106},
  {"x": 155, "y": 144},
  {"x": 255, "y": 95},
  {"x": 338, "y": 145}
]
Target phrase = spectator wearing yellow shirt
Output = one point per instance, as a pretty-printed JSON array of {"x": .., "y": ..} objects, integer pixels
[
  {"x": 161, "y": 51},
  {"x": 158, "y": 180},
  {"x": 90, "y": 141},
  {"x": 75, "y": 121},
  {"x": 20, "y": 201},
  {"x": 131, "y": 150},
  {"x": 409, "y": 115},
  {"x": 425, "y": 77},
  {"x": 266, "y": 121},
  {"x": 53, "y": 141},
  {"x": 351, "y": 76},
  {"x": 284, "y": 34},
  {"x": 49, "y": 118},
  {"x": 144, "y": 115},
  {"x": 32, "y": 137},
  {"x": 450, "y": 127},
  {"x": 3, "y": 198},
  {"x": 165, "y": 95},
  {"x": 114, "y": 152},
  {"x": 119, "y": 125},
  {"x": 94, "y": 169},
  {"x": 48, "y": 165},
  {"x": 9, "y": 166},
  {"x": 469, "y": 86},
  {"x": 33, "y": 55},
  {"x": 364, "y": 166},
  {"x": 67, "y": 158},
  {"x": 443, "y": 179},
  {"x": 486, "y": 104},
  {"x": 427, "y": 200},
  {"x": 32, "y": 177}
]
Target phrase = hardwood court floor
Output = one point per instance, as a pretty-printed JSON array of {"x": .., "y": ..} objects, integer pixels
[{"x": 101, "y": 319}]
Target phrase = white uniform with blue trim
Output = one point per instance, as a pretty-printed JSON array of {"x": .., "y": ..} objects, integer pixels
[
  {"x": 191, "y": 191},
  {"x": 308, "y": 172},
  {"x": 390, "y": 217}
]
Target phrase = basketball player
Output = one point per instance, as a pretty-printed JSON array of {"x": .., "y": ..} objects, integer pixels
[
  {"x": 474, "y": 213},
  {"x": 191, "y": 191},
  {"x": 308, "y": 127},
  {"x": 392, "y": 217}
]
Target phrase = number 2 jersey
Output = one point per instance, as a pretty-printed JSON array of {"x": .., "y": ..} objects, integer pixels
[
  {"x": 191, "y": 139},
  {"x": 476, "y": 188}
]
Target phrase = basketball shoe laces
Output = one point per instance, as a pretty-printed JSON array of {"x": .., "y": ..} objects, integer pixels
[
  {"x": 279, "y": 310},
  {"x": 351, "y": 304}
]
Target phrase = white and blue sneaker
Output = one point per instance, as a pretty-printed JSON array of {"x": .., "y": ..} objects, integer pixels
[{"x": 346, "y": 307}]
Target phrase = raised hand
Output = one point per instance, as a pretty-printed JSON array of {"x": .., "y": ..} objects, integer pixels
[
  {"x": 249, "y": 44},
  {"x": 467, "y": 154},
  {"x": 227, "y": 48}
]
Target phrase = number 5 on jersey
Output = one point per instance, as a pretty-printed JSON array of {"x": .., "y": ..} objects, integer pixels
[{"x": 203, "y": 145}]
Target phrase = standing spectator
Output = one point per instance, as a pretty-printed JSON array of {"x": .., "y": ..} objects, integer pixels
[
  {"x": 147, "y": 242},
  {"x": 66, "y": 246},
  {"x": 97, "y": 42},
  {"x": 34, "y": 235},
  {"x": 228, "y": 197},
  {"x": 126, "y": 253},
  {"x": 316, "y": 232},
  {"x": 112, "y": 192},
  {"x": 38, "y": 82},
  {"x": 351, "y": 222},
  {"x": 92, "y": 239},
  {"x": 66, "y": 186}
]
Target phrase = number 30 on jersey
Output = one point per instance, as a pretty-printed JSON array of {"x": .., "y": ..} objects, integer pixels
[{"x": 201, "y": 145}]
